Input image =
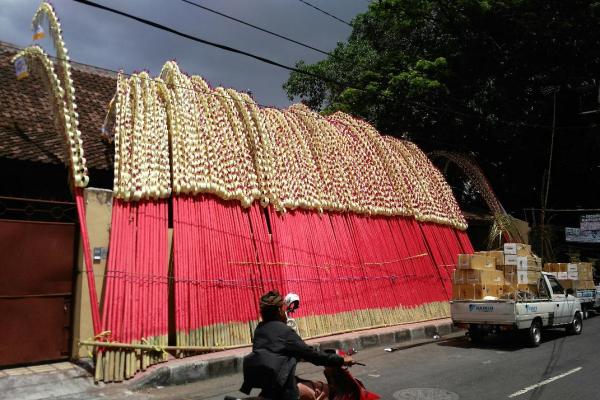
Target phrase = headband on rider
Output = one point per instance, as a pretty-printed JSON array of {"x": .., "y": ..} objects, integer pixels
[{"x": 271, "y": 299}]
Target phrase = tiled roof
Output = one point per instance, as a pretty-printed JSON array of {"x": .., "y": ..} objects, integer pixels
[{"x": 27, "y": 125}]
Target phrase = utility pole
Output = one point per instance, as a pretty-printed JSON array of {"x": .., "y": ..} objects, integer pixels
[{"x": 546, "y": 91}]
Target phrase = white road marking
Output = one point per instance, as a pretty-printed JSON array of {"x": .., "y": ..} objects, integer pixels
[
  {"x": 545, "y": 382},
  {"x": 374, "y": 375}
]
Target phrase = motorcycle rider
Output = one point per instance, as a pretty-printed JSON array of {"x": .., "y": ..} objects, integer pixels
[{"x": 276, "y": 350}]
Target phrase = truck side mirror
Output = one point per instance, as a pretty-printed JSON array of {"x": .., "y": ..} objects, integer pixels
[{"x": 569, "y": 291}]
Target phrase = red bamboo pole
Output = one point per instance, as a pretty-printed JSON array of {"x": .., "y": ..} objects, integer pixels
[{"x": 87, "y": 258}]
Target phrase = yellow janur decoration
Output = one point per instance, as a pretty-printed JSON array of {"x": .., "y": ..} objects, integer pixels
[
  {"x": 62, "y": 88},
  {"x": 176, "y": 128}
]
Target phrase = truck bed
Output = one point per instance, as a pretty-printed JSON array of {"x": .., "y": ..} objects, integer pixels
[
  {"x": 517, "y": 314},
  {"x": 497, "y": 312}
]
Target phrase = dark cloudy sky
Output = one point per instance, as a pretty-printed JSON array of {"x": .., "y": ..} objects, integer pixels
[{"x": 107, "y": 40}]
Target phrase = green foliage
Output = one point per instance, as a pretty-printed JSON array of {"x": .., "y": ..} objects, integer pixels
[{"x": 469, "y": 75}]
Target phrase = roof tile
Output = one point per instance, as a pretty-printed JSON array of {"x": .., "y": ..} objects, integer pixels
[{"x": 27, "y": 126}]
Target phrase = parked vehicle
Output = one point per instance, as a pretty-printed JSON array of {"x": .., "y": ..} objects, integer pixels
[
  {"x": 588, "y": 299},
  {"x": 554, "y": 307}
]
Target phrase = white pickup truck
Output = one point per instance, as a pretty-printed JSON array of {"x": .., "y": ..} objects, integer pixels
[{"x": 554, "y": 307}]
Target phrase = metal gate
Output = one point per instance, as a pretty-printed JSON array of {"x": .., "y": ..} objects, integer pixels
[{"x": 36, "y": 280}]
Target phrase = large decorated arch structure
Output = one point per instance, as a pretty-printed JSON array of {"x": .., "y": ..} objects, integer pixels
[{"x": 361, "y": 226}]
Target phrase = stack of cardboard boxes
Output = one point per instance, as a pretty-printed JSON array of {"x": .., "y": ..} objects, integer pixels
[
  {"x": 496, "y": 273},
  {"x": 476, "y": 277},
  {"x": 572, "y": 275},
  {"x": 522, "y": 269}
]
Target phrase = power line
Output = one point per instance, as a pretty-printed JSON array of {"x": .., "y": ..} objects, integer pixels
[
  {"x": 325, "y": 12},
  {"x": 405, "y": 101},
  {"x": 207, "y": 42},
  {"x": 258, "y": 27},
  {"x": 305, "y": 72}
]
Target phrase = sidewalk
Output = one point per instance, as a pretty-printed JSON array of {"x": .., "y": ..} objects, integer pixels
[{"x": 57, "y": 381}]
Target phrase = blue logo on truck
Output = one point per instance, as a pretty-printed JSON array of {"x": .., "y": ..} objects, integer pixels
[
  {"x": 530, "y": 308},
  {"x": 480, "y": 308}
]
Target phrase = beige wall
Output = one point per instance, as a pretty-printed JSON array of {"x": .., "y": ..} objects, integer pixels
[{"x": 98, "y": 204}]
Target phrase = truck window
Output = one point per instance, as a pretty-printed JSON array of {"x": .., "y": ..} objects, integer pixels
[
  {"x": 543, "y": 289},
  {"x": 555, "y": 285}
]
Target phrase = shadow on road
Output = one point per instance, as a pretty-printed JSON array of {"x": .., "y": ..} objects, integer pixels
[{"x": 512, "y": 341}]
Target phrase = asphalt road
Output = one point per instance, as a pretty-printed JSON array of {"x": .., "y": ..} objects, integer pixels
[{"x": 500, "y": 368}]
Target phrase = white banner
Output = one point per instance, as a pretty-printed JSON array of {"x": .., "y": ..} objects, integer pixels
[
  {"x": 590, "y": 222},
  {"x": 576, "y": 235}
]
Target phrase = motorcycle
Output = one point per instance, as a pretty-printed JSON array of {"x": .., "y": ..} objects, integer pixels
[{"x": 342, "y": 385}]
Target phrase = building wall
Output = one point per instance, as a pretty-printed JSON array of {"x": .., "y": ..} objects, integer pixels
[{"x": 98, "y": 204}]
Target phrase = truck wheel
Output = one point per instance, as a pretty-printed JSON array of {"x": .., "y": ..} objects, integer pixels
[
  {"x": 535, "y": 333},
  {"x": 476, "y": 335},
  {"x": 576, "y": 327}
]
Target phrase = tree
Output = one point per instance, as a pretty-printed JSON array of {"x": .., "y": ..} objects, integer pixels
[{"x": 470, "y": 75}]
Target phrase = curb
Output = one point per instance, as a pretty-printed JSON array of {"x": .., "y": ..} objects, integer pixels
[{"x": 199, "y": 370}]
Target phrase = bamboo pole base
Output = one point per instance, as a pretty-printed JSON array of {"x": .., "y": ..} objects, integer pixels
[{"x": 116, "y": 362}]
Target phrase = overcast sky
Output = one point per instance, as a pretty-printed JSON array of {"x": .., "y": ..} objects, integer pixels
[{"x": 111, "y": 41}]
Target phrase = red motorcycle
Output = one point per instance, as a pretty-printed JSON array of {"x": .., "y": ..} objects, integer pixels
[{"x": 343, "y": 386}]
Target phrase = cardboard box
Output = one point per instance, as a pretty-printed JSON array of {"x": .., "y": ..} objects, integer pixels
[
  {"x": 464, "y": 261},
  {"x": 550, "y": 267},
  {"x": 475, "y": 292},
  {"x": 528, "y": 263},
  {"x": 527, "y": 277},
  {"x": 483, "y": 262},
  {"x": 586, "y": 271},
  {"x": 587, "y": 284},
  {"x": 510, "y": 274},
  {"x": 489, "y": 290},
  {"x": 458, "y": 276},
  {"x": 498, "y": 255},
  {"x": 562, "y": 267},
  {"x": 578, "y": 284},
  {"x": 569, "y": 284},
  {"x": 456, "y": 291},
  {"x": 518, "y": 249},
  {"x": 528, "y": 288},
  {"x": 478, "y": 276},
  {"x": 476, "y": 261},
  {"x": 562, "y": 276},
  {"x": 573, "y": 276},
  {"x": 511, "y": 289},
  {"x": 510, "y": 259}
]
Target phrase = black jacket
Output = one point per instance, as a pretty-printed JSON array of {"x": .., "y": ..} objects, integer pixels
[{"x": 271, "y": 366}]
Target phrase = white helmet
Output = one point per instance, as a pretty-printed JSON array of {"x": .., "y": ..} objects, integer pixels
[{"x": 292, "y": 302}]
